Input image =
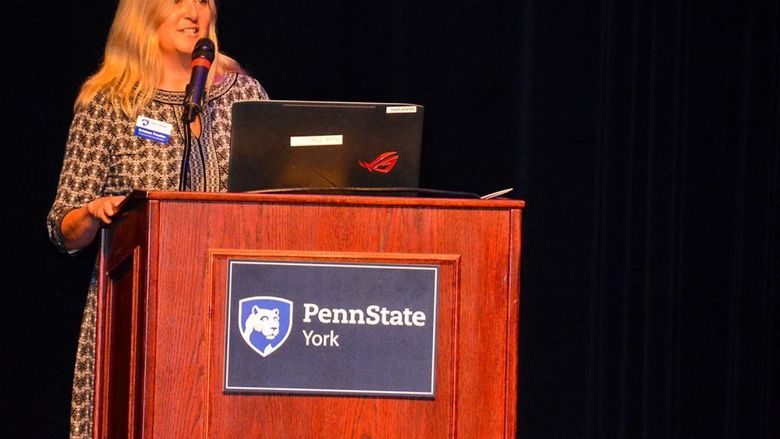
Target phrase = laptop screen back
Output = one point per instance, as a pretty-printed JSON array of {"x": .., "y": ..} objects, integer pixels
[{"x": 300, "y": 144}]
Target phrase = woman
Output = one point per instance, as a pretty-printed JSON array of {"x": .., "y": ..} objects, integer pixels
[{"x": 144, "y": 73}]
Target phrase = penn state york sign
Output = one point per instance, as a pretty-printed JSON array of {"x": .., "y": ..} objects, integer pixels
[{"x": 330, "y": 328}]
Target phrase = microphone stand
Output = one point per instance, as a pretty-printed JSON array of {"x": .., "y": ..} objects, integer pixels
[{"x": 184, "y": 172}]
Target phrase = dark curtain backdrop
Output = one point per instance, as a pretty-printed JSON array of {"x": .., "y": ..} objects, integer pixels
[
  {"x": 650, "y": 295},
  {"x": 643, "y": 136}
]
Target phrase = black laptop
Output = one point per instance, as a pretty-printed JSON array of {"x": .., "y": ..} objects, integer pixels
[{"x": 305, "y": 146}]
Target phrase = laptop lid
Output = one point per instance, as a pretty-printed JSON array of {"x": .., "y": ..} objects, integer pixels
[{"x": 306, "y": 144}]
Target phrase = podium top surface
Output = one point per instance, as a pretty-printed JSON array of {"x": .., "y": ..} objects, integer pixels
[{"x": 345, "y": 200}]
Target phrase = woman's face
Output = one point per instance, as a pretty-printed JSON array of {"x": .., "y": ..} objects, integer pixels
[{"x": 188, "y": 22}]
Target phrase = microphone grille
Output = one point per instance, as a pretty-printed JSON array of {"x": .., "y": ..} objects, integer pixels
[{"x": 204, "y": 48}]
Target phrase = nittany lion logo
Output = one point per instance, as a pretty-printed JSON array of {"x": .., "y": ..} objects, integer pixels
[{"x": 265, "y": 322}]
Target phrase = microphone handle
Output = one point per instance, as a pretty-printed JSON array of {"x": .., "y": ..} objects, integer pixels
[{"x": 196, "y": 89}]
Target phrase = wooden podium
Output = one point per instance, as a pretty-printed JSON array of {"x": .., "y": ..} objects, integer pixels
[{"x": 161, "y": 313}]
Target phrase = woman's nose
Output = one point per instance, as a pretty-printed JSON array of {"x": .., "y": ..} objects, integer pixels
[{"x": 190, "y": 9}]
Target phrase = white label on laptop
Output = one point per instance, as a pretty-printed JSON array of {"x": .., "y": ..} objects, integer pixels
[
  {"x": 401, "y": 109},
  {"x": 332, "y": 139},
  {"x": 151, "y": 129}
]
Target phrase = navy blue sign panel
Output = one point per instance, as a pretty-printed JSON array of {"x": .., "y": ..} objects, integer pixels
[{"x": 331, "y": 328}]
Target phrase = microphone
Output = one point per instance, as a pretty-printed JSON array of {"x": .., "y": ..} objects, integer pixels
[{"x": 202, "y": 57}]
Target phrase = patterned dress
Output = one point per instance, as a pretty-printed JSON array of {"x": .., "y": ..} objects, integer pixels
[{"x": 103, "y": 157}]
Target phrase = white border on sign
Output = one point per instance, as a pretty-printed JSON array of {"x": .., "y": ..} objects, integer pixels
[{"x": 435, "y": 269}]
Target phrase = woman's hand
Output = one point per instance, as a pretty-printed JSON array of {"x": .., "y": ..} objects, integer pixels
[
  {"x": 80, "y": 225},
  {"x": 103, "y": 208}
]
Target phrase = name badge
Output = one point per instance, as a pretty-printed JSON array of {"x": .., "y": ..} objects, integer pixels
[{"x": 151, "y": 129}]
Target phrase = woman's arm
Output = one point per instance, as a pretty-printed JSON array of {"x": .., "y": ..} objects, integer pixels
[{"x": 84, "y": 174}]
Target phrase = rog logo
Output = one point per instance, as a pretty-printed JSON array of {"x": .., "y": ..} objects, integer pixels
[{"x": 382, "y": 163}]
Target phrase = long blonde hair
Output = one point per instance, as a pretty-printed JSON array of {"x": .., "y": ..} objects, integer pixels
[{"x": 131, "y": 65}]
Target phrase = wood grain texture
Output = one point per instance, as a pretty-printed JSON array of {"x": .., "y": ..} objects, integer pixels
[{"x": 186, "y": 239}]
